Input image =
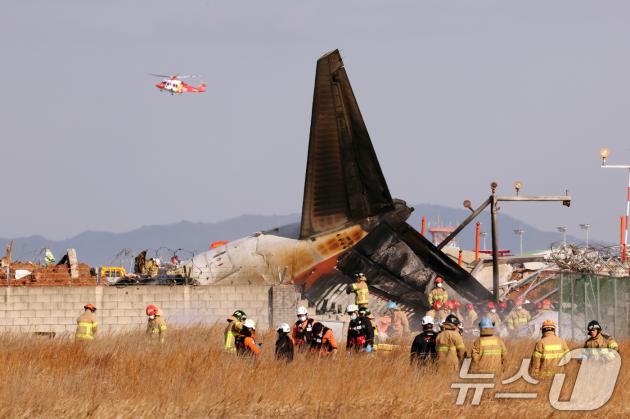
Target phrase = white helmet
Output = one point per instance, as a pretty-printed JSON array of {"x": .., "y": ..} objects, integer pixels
[
  {"x": 250, "y": 324},
  {"x": 427, "y": 320},
  {"x": 301, "y": 311},
  {"x": 284, "y": 327},
  {"x": 352, "y": 308}
]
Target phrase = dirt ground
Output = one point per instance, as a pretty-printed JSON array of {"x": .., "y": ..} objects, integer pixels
[{"x": 190, "y": 376}]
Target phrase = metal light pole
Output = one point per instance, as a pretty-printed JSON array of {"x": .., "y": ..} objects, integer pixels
[
  {"x": 604, "y": 154},
  {"x": 492, "y": 202},
  {"x": 483, "y": 234},
  {"x": 563, "y": 230},
  {"x": 519, "y": 232},
  {"x": 586, "y": 227}
]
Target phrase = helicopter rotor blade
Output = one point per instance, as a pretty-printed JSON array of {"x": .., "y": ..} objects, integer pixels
[{"x": 159, "y": 75}]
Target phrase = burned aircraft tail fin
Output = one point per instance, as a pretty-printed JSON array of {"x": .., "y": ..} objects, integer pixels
[{"x": 344, "y": 181}]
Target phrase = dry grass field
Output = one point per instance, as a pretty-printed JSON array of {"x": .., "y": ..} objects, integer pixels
[{"x": 189, "y": 376}]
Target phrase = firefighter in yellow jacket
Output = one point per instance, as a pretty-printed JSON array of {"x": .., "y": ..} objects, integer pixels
[
  {"x": 518, "y": 317},
  {"x": 360, "y": 289},
  {"x": 233, "y": 329},
  {"x": 598, "y": 340},
  {"x": 438, "y": 293},
  {"x": 86, "y": 324},
  {"x": 488, "y": 350},
  {"x": 548, "y": 352},
  {"x": 156, "y": 325},
  {"x": 449, "y": 345}
]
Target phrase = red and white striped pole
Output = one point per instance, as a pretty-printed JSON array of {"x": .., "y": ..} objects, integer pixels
[
  {"x": 624, "y": 245},
  {"x": 625, "y": 240}
]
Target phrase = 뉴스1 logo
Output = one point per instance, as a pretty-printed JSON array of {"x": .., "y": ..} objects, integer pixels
[{"x": 594, "y": 384}]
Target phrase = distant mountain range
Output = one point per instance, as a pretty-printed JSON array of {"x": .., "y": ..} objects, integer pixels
[{"x": 101, "y": 248}]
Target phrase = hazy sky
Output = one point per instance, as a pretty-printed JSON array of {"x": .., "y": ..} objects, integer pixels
[{"x": 455, "y": 94}]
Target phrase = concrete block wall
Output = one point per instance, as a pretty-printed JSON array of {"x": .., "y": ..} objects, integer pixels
[
  {"x": 55, "y": 309},
  {"x": 284, "y": 301}
]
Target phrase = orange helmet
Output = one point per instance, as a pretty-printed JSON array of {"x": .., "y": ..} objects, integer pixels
[
  {"x": 546, "y": 303},
  {"x": 449, "y": 304},
  {"x": 469, "y": 306},
  {"x": 90, "y": 307},
  {"x": 438, "y": 280},
  {"x": 151, "y": 310},
  {"x": 457, "y": 304},
  {"x": 490, "y": 305},
  {"x": 502, "y": 305},
  {"x": 518, "y": 302},
  {"x": 437, "y": 305},
  {"x": 549, "y": 324}
]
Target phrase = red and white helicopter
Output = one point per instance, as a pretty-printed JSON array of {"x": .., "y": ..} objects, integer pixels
[{"x": 174, "y": 84}]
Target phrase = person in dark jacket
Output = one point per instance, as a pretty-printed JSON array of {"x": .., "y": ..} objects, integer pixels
[
  {"x": 360, "y": 331},
  {"x": 423, "y": 346},
  {"x": 284, "y": 343}
]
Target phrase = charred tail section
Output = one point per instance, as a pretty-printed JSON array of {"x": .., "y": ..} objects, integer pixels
[{"x": 344, "y": 182}]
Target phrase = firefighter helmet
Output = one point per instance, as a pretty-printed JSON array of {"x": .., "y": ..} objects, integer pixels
[
  {"x": 449, "y": 304},
  {"x": 469, "y": 306},
  {"x": 594, "y": 325},
  {"x": 502, "y": 305},
  {"x": 438, "y": 280},
  {"x": 546, "y": 303},
  {"x": 391, "y": 305},
  {"x": 250, "y": 324},
  {"x": 427, "y": 320},
  {"x": 359, "y": 276},
  {"x": 301, "y": 311},
  {"x": 486, "y": 323},
  {"x": 90, "y": 307},
  {"x": 548, "y": 325},
  {"x": 240, "y": 315},
  {"x": 284, "y": 328},
  {"x": 352, "y": 308},
  {"x": 452, "y": 319},
  {"x": 457, "y": 304},
  {"x": 490, "y": 305},
  {"x": 151, "y": 310}
]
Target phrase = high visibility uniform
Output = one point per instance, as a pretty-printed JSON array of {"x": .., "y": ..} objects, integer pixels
[
  {"x": 607, "y": 344},
  {"x": 375, "y": 331},
  {"x": 437, "y": 294},
  {"x": 450, "y": 348},
  {"x": 86, "y": 326},
  {"x": 246, "y": 346},
  {"x": 399, "y": 324},
  {"x": 324, "y": 345},
  {"x": 495, "y": 318},
  {"x": 232, "y": 330},
  {"x": 360, "y": 288},
  {"x": 470, "y": 319},
  {"x": 517, "y": 318},
  {"x": 547, "y": 354},
  {"x": 360, "y": 334},
  {"x": 156, "y": 329},
  {"x": 303, "y": 332},
  {"x": 488, "y": 353}
]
